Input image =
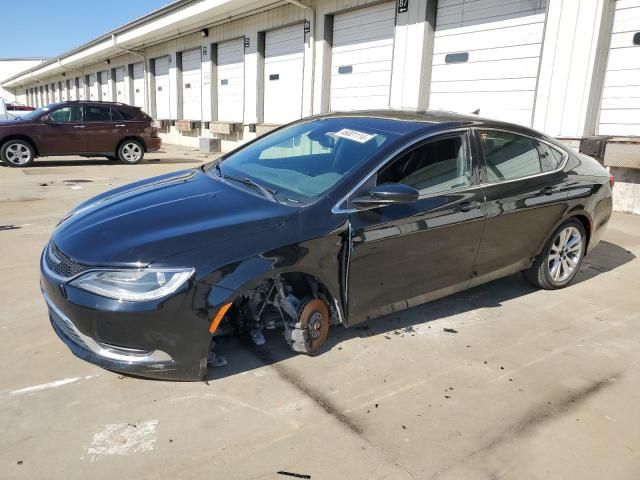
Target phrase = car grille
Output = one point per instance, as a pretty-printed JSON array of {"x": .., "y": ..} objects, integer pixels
[
  {"x": 61, "y": 264},
  {"x": 66, "y": 327}
]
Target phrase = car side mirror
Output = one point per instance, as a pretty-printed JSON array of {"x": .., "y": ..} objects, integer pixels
[
  {"x": 46, "y": 119},
  {"x": 386, "y": 194}
]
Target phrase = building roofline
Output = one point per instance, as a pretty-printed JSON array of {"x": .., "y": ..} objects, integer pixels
[{"x": 106, "y": 36}]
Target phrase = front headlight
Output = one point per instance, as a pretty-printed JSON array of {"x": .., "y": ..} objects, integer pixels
[{"x": 133, "y": 285}]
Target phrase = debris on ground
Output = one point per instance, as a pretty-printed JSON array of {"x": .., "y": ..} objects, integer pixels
[
  {"x": 404, "y": 427},
  {"x": 450, "y": 330},
  {"x": 296, "y": 475},
  {"x": 19, "y": 462}
]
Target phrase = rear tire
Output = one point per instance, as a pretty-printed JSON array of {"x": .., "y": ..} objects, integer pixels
[
  {"x": 560, "y": 259},
  {"x": 131, "y": 152},
  {"x": 17, "y": 153}
]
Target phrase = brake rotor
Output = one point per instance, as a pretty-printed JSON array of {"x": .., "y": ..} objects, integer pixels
[{"x": 314, "y": 320}]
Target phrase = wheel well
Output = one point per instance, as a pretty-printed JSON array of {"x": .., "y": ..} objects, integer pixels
[
  {"x": 586, "y": 223},
  {"x": 138, "y": 139},
  {"x": 20, "y": 137}
]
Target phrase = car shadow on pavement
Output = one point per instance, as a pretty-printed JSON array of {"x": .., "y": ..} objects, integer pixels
[{"x": 242, "y": 356}]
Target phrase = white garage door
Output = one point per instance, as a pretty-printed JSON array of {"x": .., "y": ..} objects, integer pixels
[
  {"x": 121, "y": 95},
  {"x": 361, "y": 58},
  {"x": 163, "y": 98},
  {"x": 105, "y": 94},
  {"x": 93, "y": 87},
  {"x": 63, "y": 91},
  {"x": 191, "y": 85},
  {"x": 138, "y": 85},
  {"x": 486, "y": 56},
  {"x": 620, "y": 108},
  {"x": 230, "y": 75},
  {"x": 55, "y": 97},
  {"x": 283, "y": 74}
]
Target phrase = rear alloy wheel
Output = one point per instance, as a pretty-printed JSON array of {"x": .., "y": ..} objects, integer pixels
[
  {"x": 131, "y": 152},
  {"x": 561, "y": 259},
  {"x": 17, "y": 153}
]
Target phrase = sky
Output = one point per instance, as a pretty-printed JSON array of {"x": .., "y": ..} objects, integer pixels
[{"x": 47, "y": 28}]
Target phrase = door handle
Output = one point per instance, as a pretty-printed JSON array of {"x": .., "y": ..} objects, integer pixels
[
  {"x": 79, "y": 126},
  {"x": 121, "y": 125},
  {"x": 549, "y": 190},
  {"x": 466, "y": 206}
]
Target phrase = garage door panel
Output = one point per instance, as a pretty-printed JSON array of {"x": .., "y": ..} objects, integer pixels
[
  {"x": 624, "y": 59},
  {"x": 283, "y": 74},
  {"x": 619, "y": 108},
  {"x": 357, "y": 81},
  {"x": 105, "y": 94},
  {"x": 619, "y": 129},
  {"x": 631, "y": 91},
  {"x": 622, "y": 40},
  {"x": 361, "y": 58},
  {"x": 138, "y": 85},
  {"x": 380, "y": 55},
  {"x": 504, "y": 53},
  {"x": 192, "y": 85},
  {"x": 479, "y": 86},
  {"x": 512, "y": 36},
  {"x": 621, "y": 103},
  {"x": 163, "y": 91},
  {"x": 519, "y": 68},
  {"x": 495, "y": 100},
  {"x": 120, "y": 83},
  {"x": 474, "y": 12},
  {"x": 504, "y": 43},
  {"x": 230, "y": 75}
]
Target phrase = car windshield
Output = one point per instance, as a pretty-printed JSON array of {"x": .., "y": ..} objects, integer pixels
[
  {"x": 37, "y": 113},
  {"x": 302, "y": 162}
]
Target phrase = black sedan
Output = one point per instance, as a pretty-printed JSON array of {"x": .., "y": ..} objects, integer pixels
[{"x": 334, "y": 219}]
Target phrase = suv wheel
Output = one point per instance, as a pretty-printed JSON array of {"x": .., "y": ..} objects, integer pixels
[
  {"x": 131, "y": 151},
  {"x": 17, "y": 153}
]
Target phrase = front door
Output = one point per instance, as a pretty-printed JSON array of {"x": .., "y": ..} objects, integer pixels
[
  {"x": 63, "y": 133},
  {"x": 406, "y": 254},
  {"x": 101, "y": 131}
]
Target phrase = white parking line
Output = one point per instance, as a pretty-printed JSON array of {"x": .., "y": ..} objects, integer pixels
[{"x": 54, "y": 384}]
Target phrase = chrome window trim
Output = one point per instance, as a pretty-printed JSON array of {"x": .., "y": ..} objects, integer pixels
[
  {"x": 565, "y": 155},
  {"x": 391, "y": 156}
]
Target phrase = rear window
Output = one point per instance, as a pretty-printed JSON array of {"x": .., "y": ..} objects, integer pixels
[
  {"x": 126, "y": 114},
  {"x": 95, "y": 113}
]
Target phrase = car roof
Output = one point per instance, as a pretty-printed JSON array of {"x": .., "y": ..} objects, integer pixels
[
  {"x": 433, "y": 120},
  {"x": 91, "y": 102}
]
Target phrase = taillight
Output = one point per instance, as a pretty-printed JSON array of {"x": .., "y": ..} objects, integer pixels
[{"x": 612, "y": 180}]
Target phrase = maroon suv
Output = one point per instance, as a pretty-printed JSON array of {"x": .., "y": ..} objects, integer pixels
[{"x": 113, "y": 130}]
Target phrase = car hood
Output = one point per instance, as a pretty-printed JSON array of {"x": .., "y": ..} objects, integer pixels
[{"x": 141, "y": 223}]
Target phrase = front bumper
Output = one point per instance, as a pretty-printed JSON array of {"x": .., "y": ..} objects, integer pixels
[{"x": 167, "y": 339}]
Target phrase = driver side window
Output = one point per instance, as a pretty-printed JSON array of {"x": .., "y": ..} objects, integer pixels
[
  {"x": 440, "y": 165},
  {"x": 72, "y": 114}
]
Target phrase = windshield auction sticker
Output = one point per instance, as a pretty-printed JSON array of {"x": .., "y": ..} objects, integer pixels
[{"x": 354, "y": 135}]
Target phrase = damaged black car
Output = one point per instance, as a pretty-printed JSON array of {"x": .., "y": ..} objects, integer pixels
[{"x": 330, "y": 220}]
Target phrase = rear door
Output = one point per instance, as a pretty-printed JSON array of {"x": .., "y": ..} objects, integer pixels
[
  {"x": 404, "y": 255},
  {"x": 526, "y": 195},
  {"x": 100, "y": 130}
]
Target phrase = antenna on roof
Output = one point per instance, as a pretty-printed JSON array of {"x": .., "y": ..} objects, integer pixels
[{"x": 476, "y": 112}]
